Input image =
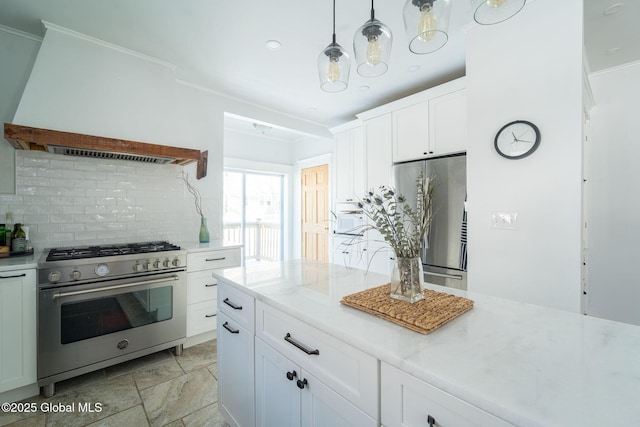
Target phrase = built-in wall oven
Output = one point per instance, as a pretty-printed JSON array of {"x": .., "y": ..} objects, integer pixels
[{"x": 102, "y": 305}]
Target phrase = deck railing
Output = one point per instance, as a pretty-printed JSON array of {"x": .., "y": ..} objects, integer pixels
[{"x": 262, "y": 241}]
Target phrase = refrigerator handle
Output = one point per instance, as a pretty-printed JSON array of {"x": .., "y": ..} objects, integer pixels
[{"x": 447, "y": 276}]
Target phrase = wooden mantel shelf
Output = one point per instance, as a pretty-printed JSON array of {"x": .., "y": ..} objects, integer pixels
[{"x": 30, "y": 138}]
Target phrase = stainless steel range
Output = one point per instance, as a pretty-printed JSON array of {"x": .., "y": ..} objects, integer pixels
[{"x": 102, "y": 305}]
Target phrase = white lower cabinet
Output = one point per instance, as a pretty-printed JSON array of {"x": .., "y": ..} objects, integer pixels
[
  {"x": 202, "y": 289},
  {"x": 17, "y": 329},
  {"x": 407, "y": 401},
  {"x": 235, "y": 372},
  {"x": 288, "y": 395}
]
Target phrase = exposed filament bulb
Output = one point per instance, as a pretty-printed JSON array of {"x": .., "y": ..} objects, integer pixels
[{"x": 428, "y": 26}]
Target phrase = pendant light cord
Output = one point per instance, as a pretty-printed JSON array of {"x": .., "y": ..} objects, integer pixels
[
  {"x": 334, "y": 22},
  {"x": 373, "y": 16}
]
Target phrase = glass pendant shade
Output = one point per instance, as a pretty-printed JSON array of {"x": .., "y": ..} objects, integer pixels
[
  {"x": 333, "y": 68},
  {"x": 372, "y": 47},
  {"x": 489, "y": 12},
  {"x": 427, "y": 24}
]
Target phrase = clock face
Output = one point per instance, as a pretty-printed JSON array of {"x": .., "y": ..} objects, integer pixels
[
  {"x": 517, "y": 139},
  {"x": 102, "y": 269}
]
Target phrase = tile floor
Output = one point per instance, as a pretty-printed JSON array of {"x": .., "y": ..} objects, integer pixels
[{"x": 157, "y": 390}]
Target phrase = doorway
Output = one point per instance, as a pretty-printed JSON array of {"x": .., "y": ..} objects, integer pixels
[
  {"x": 315, "y": 213},
  {"x": 253, "y": 214}
]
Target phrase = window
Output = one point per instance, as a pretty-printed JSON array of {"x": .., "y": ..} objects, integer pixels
[{"x": 253, "y": 213}]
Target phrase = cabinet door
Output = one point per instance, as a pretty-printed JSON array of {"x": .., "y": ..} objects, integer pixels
[
  {"x": 277, "y": 393},
  {"x": 407, "y": 401},
  {"x": 17, "y": 329},
  {"x": 344, "y": 160},
  {"x": 358, "y": 163},
  {"x": 448, "y": 123},
  {"x": 235, "y": 372},
  {"x": 378, "y": 135},
  {"x": 323, "y": 407},
  {"x": 349, "y": 251},
  {"x": 411, "y": 132}
]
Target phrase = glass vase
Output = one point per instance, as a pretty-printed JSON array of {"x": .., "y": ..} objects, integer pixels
[
  {"x": 204, "y": 231},
  {"x": 407, "y": 279}
]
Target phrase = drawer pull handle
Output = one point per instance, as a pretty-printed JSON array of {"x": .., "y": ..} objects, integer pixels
[
  {"x": 216, "y": 259},
  {"x": 301, "y": 383},
  {"x": 210, "y": 315},
  {"x": 288, "y": 338},
  {"x": 13, "y": 277},
  {"x": 431, "y": 421},
  {"x": 232, "y": 305},
  {"x": 230, "y": 329},
  {"x": 211, "y": 285},
  {"x": 291, "y": 375}
]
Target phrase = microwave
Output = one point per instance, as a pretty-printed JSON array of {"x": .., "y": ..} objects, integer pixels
[{"x": 349, "y": 223}]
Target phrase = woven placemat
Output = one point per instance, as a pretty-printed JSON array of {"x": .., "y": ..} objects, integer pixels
[{"x": 424, "y": 316}]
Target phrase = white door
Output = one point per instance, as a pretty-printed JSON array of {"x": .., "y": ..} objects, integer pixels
[
  {"x": 235, "y": 372},
  {"x": 277, "y": 395},
  {"x": 323, "y": 407}
]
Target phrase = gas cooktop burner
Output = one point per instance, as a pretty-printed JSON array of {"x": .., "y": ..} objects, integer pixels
[{"x": 81, "y": 252}]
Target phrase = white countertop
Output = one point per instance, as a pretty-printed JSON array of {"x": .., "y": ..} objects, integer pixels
[
  {"x": 19, "y": 262},
  {"x": 529, "y": 365},
  {"x": 193, "y": 246}
]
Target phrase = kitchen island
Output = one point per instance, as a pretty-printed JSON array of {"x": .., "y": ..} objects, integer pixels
[{"x": 523, "y": 364}]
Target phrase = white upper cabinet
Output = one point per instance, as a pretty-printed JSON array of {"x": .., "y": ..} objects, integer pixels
[
  {"x": 448, "y": 123},
  {"x": 411, "y": 132},
  {"x": 377, "y": 137},
  {"x": 349, "y": 163},
  {"x": 434, "y": 127}
]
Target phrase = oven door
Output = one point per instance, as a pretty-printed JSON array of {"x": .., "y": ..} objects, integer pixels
[{"x": 82, "y": 325}]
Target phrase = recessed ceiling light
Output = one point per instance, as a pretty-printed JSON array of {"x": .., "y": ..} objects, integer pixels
[
  {"x": 413, "y": 68},
  {"x": 364, "y": 88},
  {"x": 612, "y": 51},
  {"x": 614, "y": 8},
  {"x": 273, "y": 45},
  {"x": 312, "y": 109}
]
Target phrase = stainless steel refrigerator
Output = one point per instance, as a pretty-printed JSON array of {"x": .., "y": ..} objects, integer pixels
[{"x": 444, "y": 253}]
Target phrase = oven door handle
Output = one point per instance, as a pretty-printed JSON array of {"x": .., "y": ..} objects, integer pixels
[{"x": 108, "y": 288}]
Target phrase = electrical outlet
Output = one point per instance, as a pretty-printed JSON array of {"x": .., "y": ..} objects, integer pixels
[{"x": 504, "y": 220}]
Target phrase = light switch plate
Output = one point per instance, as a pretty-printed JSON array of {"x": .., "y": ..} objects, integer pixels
[{"x": 504, "y": 220}]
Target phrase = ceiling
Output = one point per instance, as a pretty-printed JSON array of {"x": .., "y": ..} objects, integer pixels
[{"x": 221, "y": 45}]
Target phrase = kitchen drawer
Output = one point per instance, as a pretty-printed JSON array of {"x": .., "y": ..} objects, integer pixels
[
  {"x": 218, "y": 258},
  {"x": 345, "y": 369},
  {"x": 237, "y": 305},
  {"x": 201, "y": 286},
  {"x": 407, "y": 401},
  {"x": 201, "y": 317}
]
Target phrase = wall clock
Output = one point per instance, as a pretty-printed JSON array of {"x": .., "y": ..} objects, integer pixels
[{"x": 517, "y": 139}]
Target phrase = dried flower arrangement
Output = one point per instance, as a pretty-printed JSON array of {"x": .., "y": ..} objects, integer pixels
[
  {"x": 194, "y": 191},
  {"x": 401, "y": 225}
]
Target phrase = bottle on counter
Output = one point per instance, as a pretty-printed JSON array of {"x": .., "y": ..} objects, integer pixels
[
  {"x": 8, "y": 229},
  {"x": 18, "y": 239},
  {"x": 3, "y": 235}
]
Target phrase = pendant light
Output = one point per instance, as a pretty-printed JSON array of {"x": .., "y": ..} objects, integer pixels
[
  {"x": 372, "y": 47},
  {"x": 333, "y": 64},
  {"x": 489, "y": 12},
  {"x": 427, "y": 23}
]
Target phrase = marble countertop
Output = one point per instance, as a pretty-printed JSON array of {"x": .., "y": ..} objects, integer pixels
[
  {"x": 526, "y": 364},
  {"x": 20, "y": 262},
  {"x": 193, "y": 246}
]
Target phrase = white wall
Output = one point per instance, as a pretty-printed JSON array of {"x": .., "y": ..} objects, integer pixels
[
  {"x": 613, "y": 206},
  {"x": 22, "y": 49},
  {"x": 530, "y": 68}
]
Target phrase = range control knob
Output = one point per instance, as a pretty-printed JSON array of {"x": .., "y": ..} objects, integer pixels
[
  {"x": 165, "y": 263},
  {"x": 156, "y": 264},
  {"x": 54, "y": 276},
  {"x": 175, "y": 262},
  {"x": 75, "y": 275},
  {"x": 147, "y": 265},
  {"x": 137, "y": 267}
]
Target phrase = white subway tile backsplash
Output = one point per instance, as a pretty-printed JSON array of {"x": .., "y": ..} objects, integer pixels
[{"x": 74, "y": 201}]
